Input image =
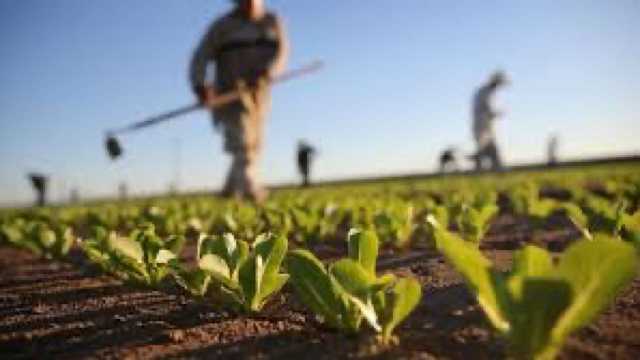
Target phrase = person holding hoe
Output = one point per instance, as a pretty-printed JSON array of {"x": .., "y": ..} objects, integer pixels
[{"x": 249, "y": 48}]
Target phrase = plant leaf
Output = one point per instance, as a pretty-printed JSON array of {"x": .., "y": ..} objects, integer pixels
[
  {"x": 217, "y": 267},
  {"x": 363, "y": 248},
  {"x": 529, "y": 262},
  {"x": 537, "y": 305},
  {"x": 164, "y": 256},
  {"x": 126, "y": 247},
  {"x": 596, "y": 272},
  {"x": 314, "y": 287},
  {"x": 352, "y": 277},
  {"x": 487, "y": 285},
  {"x": 401, "y": 300}
]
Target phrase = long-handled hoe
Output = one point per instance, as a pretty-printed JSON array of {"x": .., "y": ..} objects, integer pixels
[{"x": 114, "y": 149}]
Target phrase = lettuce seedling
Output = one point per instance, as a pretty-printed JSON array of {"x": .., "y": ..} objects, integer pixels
[
  {"x": 598, "y": 216},
  {"x": 578, "y": 218},
  {"x": 350, "y": 291},
  {"x": 631, "y": 228},
  {"x": 242, "y": 220},
  {"x": 395, "y": 224},
  {"x": 43, "y": 239},
  {"x": 537, "y": 305},
  {"x": 526, "y": 200},
  {"x": 277, "y": 220},
  {"x": 142, "y": 257},
  {"x": 306, "y": 223},
  {"x": 473, "y": 223},
  {"x": 245, "y": 276},
  {"x": 440, "y": 213}
]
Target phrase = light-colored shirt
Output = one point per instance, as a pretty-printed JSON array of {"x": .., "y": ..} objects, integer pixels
[{"x": 484, "y": 115}]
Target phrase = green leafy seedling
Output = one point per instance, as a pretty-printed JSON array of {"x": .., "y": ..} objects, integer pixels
[
  {"x": 474, "y": 223},
  {"x": 395, "y": 224},
  {"x": 142, "y": 257},
  {"x": 526, "y": 200},
  {"x": 246, "y": 276},
  {"x": 39, "y": 237},
  {"x": 349, "y": 290},
  {"x": 537, "y": 305}
]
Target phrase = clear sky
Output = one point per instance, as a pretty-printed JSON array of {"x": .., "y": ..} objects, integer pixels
[{"x": 396, "y": 89}]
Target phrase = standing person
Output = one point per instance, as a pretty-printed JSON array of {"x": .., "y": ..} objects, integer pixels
[
  {"x": 484, "y": 116},
  {"x": 305, "y": 155},
  {"x": 552, "y": 150},
  {"x": 39, "y": 183},
  {"x": 248, "y": 47}
]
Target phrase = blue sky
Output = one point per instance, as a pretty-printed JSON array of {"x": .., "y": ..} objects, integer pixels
[{"x": 395, "y": 91}]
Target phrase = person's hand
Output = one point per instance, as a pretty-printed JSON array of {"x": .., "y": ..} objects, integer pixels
[
  {"x": 205, "y": 94},
  {"x": 265, "y": 77}
]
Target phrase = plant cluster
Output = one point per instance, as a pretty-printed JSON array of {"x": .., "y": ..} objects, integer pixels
[
  {"x": 537, "y": 304},
  {"x": 349, "y": 291}
]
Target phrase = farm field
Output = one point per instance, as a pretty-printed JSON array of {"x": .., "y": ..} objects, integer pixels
[{"x": 70, "y": 289}]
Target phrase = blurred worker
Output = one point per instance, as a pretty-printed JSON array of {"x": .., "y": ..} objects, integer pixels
[
  {"x": 305, "y": 156},
  {"x": 123, "y": 191},
  {"x": 248, "y": 47},
  {"x": 484, "y": 116},
  {"x": 449, "y": 160},
  {"x": 74, "y": 197},
  {"x": 552, "y": 150},
  {"x": 39, "y": 183}
]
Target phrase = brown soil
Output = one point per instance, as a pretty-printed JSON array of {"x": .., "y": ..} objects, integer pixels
[{"x": 53, "y": 309}]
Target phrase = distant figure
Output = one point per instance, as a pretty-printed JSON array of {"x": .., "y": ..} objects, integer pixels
[
  {"x": 74, "y": 197},
  {"x": 449, "y": 160},
  {"x": 39, "y": 183},
  {"x": 552, "y": 150},
  {"x": 123, "y": 191},
  {"x": 484, "y": 116},
  {"x": 248, "y": 47},
  {"x": 305, "y": 156}
]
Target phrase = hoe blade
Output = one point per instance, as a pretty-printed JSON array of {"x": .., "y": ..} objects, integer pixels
[{"x": 113, "y": 147}]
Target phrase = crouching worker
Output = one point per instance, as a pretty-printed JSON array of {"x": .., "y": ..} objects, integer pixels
[{"x": 248, "y": 48}]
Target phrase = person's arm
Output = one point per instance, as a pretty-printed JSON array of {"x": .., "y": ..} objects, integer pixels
[
  {"x": 279, "y": 63},
  {"x": 204, "y": 54}
]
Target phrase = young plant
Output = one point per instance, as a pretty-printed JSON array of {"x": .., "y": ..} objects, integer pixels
[
  {"x": 598, "y": 217},
  {"x": 245, "y": 276},
  {"x": 526, "y": 200},
  {"x": 441, "y": 214},
  {"x": 306, "y": 224},
  {"x": 350, "y": 291},
  {"x": 604, "y": 216},
  {"x": 537, "y": 304},
  {"x": 142, "y": 257},
  {"x": 578, "y": 218},
  {"x": 395, "y": 224},
  {"x": 474, "y": 222},
  {"x": 242, "y": 220},
  {"x": 631, "y": 228},
  {"x": 276, "y": 220},
  {"x": 49, "y": 241}
]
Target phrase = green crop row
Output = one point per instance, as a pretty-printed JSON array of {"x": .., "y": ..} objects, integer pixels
[{"x": 243, "y": 258}]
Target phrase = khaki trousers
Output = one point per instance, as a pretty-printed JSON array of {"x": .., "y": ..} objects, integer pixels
[{"x": 242, "y": 125}]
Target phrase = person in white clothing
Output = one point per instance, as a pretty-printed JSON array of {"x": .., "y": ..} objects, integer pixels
[{"x": 484, "y": 115}]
